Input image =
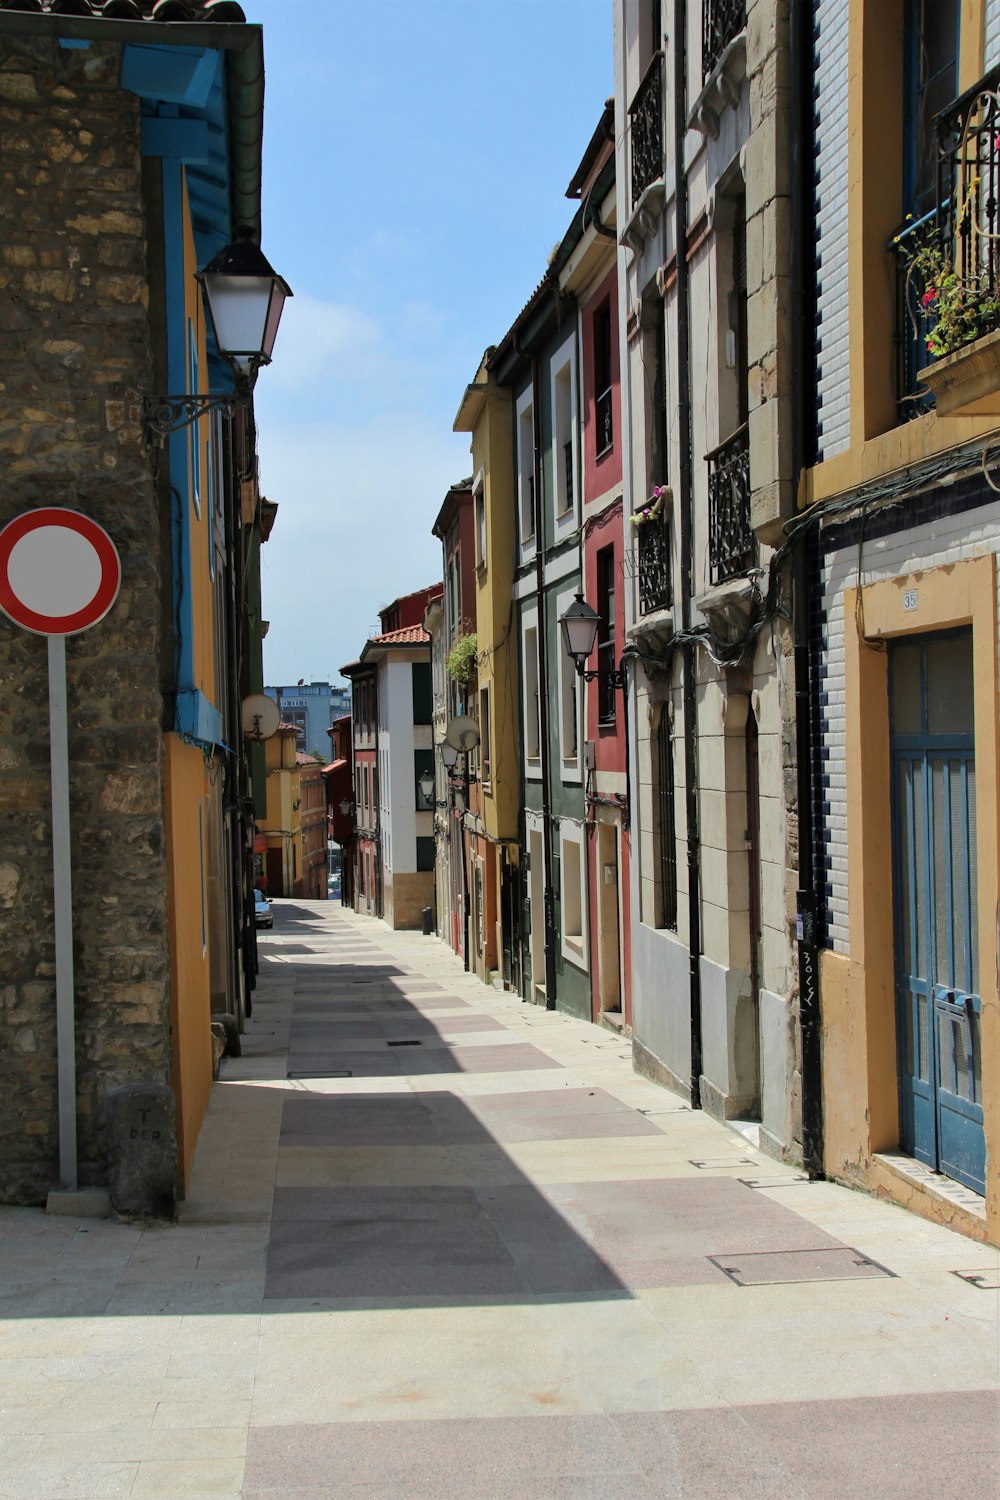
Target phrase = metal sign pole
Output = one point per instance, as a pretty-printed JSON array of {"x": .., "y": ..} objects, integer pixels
[{"x": 62, "y": 889}]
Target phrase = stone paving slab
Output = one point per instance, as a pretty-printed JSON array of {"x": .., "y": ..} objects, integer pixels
[{"x": 513, "y": 1268}]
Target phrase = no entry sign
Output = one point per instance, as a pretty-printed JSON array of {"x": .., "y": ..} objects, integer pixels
[
  {"x": 59, "y": 571},
  {"x": 59, "y": 574}
]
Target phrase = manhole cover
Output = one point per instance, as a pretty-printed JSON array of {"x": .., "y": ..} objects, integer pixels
[
  {"x": 983, "y": 1281},
  {"x": 320, "y": 1073},
  {"x": 409, "y": 1042},
  {"x": 780, "y": 1267}
]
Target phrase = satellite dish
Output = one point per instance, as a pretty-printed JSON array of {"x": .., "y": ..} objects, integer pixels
[
  {"x": 462, "y": 733},
  {"x": 260, "y": 717}
]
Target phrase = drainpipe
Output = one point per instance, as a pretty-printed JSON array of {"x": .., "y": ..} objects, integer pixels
[
  {"x": 804, "y": 580},
  {"x": 686, "y": 488}
]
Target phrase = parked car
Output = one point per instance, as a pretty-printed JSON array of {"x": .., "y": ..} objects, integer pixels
[{"x": 263, "y": 915}]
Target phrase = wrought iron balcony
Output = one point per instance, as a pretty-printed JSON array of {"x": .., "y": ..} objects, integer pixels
[
  {"x": 913, "y": 321},
  {"x": 721, "y": 20},
  {"x": 653, "y": 548},
  {"x": 646, "y": 122},
  {"x": 731, "y": 543},
  {"x": 948, "y": 277},
  {"x": 605, "y": 434}
]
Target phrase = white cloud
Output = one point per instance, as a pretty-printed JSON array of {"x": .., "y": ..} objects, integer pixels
[
  {"x": 356, "y": 506},
  {"x": 318, "y": 340}
]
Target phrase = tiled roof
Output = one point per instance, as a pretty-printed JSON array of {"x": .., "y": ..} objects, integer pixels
[
  {"x": 133, "y": 10},
  {"x": 410, "y": 635}
]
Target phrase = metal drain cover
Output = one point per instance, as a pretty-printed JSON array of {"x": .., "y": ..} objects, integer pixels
[
  {"x": 318, "y": 1073},
  {"x": 409, "y": 1042},
  {"x": 784, "y": 1267}
]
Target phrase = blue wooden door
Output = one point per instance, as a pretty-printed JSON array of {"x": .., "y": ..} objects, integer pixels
[{"x": 936, "y": 934}]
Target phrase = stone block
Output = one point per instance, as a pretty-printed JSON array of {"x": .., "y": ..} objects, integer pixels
[
  {"x": 230, "y": 1032},
  {"x": 141, "y": 1150}
]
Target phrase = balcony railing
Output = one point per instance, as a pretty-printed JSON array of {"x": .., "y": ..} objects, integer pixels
[
  {"x": 653, "y": 546},
  {"x": 646, "y": 120},
  {"x": 913, "y": 322},
  {"x": 958, "y": 240},
  {"x": 721, "y": 20},
  {"x": 605, "y": 435},
  {"x": 731, "y": 548}
]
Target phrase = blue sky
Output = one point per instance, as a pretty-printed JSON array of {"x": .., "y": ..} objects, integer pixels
[{"x": 416, "y": 157}]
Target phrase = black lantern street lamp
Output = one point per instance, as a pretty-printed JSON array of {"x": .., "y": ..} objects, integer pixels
[
  {"x": 579, "y": 627},
  {"x": 346, "y": 807},
  {"x": 245, "y": 298},
  {"x": 426, "y": 785},
  {"x": 449, "y": 755}
]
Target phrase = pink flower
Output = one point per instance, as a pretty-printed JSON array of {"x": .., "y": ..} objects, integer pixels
[{"x": 928, "y": 296}]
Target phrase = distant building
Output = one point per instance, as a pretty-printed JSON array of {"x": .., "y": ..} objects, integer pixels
[
  {"x": 394, "y": 818},
  {"x": 312, "y": 708}
]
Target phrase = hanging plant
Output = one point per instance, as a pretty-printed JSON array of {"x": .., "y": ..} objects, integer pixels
[
  {"x": 462, "y": 660},
  {"x": 653, "y": 508}
]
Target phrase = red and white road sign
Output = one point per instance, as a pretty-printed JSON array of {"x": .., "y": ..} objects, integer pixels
[{"x": 59, "y": 571}]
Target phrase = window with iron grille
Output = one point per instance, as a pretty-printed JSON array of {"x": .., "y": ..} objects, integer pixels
[
  {"x": 665, "y": 831},
  {"x": 646, "y": 122},
  {"x": 606, "y": 662},
  {"x": 722, "y": 20}
]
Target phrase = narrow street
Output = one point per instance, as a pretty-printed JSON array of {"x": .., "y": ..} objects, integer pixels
[{"x": 442, "y": 1244}]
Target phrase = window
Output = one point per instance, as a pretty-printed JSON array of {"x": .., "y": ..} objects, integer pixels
[
  {"x": 532, "y": 739},
  {"x": 479, "y": 503},
  {"x": 485, "y": 756},
  {"x": 570, "y": 702},
  {"x": 564, "y": 429},
  {"x": 195, "y": 428},
  {"x": 606, "y": 651},
  {"x": 931, "y": 63},
  {"x": 423, "y": 761},
  {"x": 425, "y": 853},
  {"x": 423, "y": 694},
  {"x": 664, "y": 829},
  {"x": 526, "y": 467},
  {"x": 572, "y": 863},
  {"x": 604, "y": 432}
]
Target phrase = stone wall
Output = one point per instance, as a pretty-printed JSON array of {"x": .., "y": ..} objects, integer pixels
[{"x": 75, "y": 338}]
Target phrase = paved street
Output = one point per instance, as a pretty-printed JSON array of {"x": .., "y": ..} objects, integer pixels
[{"x": 442, "y": 1244}]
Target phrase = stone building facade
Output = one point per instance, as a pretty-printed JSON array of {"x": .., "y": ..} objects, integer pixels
[
  {"x": 87, "y": 318},
  {"x": 703, "y": 182}
]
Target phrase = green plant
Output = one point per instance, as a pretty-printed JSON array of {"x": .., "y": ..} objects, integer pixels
[
  {"x": 653, "y": 508},
  {"x": 956, "y": 309},
  {"x": 462, "y": 660}
]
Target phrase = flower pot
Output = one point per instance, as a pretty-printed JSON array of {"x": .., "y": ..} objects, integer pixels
[{"x": 966, "y": 383}]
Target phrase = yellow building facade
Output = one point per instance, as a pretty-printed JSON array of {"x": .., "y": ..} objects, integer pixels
[
  {"x": 282, "y": 825},
  {"x": 486, "y": 414}
]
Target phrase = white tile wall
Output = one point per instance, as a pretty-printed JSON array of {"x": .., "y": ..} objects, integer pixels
[
  {"x": 832, "y": 331},
  {"x": 991, "y": 48}
]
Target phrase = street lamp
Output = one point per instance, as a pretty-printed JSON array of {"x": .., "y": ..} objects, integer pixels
[
  {"x": 426, "y": 785},
  {"x": 346, "y": 807},
  {"x": 245, "y": 298},
  {"x": 579, "y": 627},
  {"x": 460, "y": 738}
]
